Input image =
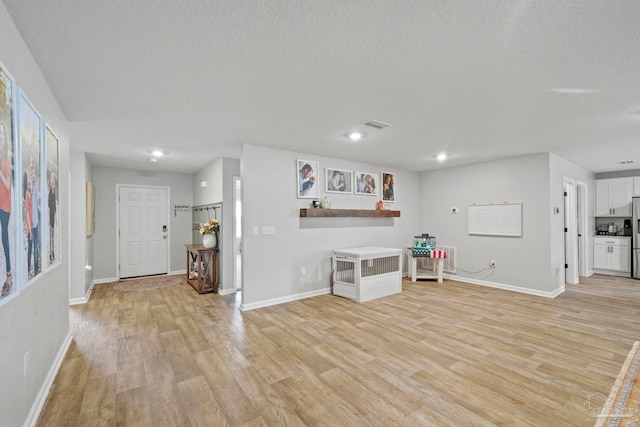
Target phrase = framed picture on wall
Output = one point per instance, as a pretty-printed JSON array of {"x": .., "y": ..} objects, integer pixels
[
  {"x": 308, "y": 182},
  {"x": 338, "y": 181},
  {"x": 8, "y": 260},
  {"x": 365, "y": 183},
  {"x": 52, "y": 200},
  {"x": 388, "y": 181},
  {"x": 31, "y": 142}
]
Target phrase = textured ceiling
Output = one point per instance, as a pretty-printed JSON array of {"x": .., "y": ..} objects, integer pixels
[{"x": 476, "y": 79}]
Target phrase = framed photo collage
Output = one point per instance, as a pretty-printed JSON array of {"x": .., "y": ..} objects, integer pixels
[{"x": 29, "y": 199}]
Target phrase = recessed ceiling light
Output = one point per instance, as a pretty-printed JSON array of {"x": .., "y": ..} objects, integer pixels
[
  {"x": 355, "y": 136},
  {"x": 157, "y": 153},
  {"x": 153, "y": 160},
  {"x": 441, "y": 157}
]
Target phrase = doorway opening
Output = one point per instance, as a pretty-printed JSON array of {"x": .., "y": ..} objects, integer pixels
[{"x": 237, "y": 233}]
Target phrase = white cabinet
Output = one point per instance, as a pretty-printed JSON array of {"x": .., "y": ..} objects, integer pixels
[
  {"x": 636, "y": 185},
  {"x": 612, "y": 255},
  {"x": 613, "y": 197}
]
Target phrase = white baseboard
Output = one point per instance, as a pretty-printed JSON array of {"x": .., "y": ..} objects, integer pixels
[
  {"x": 519, "y": 289},
  {"x": 612, "y": 273},
  {"x": 41, "y": 398},
  {"x": 227, "y": 291},
  {"x": 288, "y": 298},
  {"x": 82, "y": 300},
  {"x": 106, "y": 280},
  {"x": 589, "y": 273},
  {"x": 176, "y": 272}
]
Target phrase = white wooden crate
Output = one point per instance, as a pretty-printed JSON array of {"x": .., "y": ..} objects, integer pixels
[{"x": 366, "y": 273}]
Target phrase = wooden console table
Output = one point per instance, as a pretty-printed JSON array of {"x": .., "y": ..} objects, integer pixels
[{"x": 201, "y": 268}]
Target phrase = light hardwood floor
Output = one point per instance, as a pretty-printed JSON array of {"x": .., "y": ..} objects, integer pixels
[{"x": 449, "y": 354}]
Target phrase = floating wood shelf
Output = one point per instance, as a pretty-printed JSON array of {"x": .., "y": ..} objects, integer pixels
[{"x": 341, "y": 213}]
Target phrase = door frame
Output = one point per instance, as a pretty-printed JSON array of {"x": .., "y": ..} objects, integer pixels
[
  {"x": 118, "y": 187},
  {"x": 583, "y": 227},
  {"x": 571, "y": 235}
]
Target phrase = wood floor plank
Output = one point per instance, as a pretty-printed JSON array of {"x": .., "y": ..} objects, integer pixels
[{"x": 437, "y": 354}]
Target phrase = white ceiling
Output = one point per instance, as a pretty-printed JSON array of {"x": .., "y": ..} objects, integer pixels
[{"x": 475, "y": 79}]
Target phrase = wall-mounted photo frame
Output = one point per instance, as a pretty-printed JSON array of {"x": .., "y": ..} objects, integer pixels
[
  {"x": 365, "y": 183},
  {"x": 31, "y": 156},
  {"x": 388, "y": 181},
  {"x": 52, "y": 221},
  {"x": 9, "y": 243},
  {"x": 338, "y": 181},
  {"x": 308, "y": 179}
]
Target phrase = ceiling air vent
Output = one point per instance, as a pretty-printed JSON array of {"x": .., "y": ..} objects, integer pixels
[{"x": 376, "y": 124}]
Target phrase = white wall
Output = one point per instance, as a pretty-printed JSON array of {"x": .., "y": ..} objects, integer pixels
[
  {"x": 272, "y": 263},
  {"x": 219, "y": 178},
  {"x": 105, "y": 180},
  {"x": 81, "y": 248},
  {"x": 522, "y": 179},
  {"x": 37, "y": 320}
]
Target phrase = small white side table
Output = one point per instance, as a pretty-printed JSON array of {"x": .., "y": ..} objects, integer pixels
[{"x": 436, "y": 273}]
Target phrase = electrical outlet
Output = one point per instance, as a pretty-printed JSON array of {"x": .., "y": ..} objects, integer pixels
[
  {"x": 492, "y": 263},
  {"x": 254, "y": 230},
  {"x": 303, "y": 271}
]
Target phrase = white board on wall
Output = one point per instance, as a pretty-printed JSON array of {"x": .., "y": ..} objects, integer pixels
[{"x": 495, "y": 219}]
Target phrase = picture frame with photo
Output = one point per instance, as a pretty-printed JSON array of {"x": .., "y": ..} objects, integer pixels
[
  {"x": 31, "y": 141},
  {"x": 388, "y": 182},
  {"x": 365, "y": 183},
  {"x": 338, "y": 181},
  {"x": 308, "y": 179},
  {"x": 52, "y": 236},
  {"x": 9, "y": 204}
]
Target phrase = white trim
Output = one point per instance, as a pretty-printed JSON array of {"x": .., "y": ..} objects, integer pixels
[
  {"x": 288, "y": 298},
  {"x": 83, "y": 300},
  {"x": 118, "y": 187},
  {"x": 177, "y": 272},
  {"x": 589, "y": 273},
  {"x": 518, "y": 289},
  {"x": 101, "y": 281},
  {"x": 41, "y": 398},
  {"x": 612, "y": 273},
  {"x": 570, "y": 237},
  {"x": 583, "y": 225},
  {"x": 226, "y": 291}
]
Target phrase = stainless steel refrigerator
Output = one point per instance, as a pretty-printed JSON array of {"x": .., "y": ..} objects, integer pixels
[{"x": 635, "y": 239}]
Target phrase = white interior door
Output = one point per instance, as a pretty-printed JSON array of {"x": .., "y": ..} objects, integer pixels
[{"x": 143, "y": 231}]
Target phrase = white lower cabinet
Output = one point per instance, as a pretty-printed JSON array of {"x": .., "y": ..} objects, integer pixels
[{"x": 612, "y": 255}]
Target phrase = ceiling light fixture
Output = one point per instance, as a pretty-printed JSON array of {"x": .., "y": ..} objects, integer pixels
[
  {"x": 441, "y": 157},
  {"x": 572, "y": 91},
  {"x": 355, "y": 136},
  {"x": 157, "y": 153}
]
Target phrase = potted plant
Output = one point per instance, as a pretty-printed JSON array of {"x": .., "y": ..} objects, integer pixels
[{"x": 208, "y": 229}]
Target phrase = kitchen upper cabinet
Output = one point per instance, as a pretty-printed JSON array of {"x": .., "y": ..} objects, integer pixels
[
  {"x": 613, "y": 196},
  {"x": 636, "y": 185}
]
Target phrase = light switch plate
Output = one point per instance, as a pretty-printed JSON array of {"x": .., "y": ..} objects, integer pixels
[{"x": 268, "y": 229}]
